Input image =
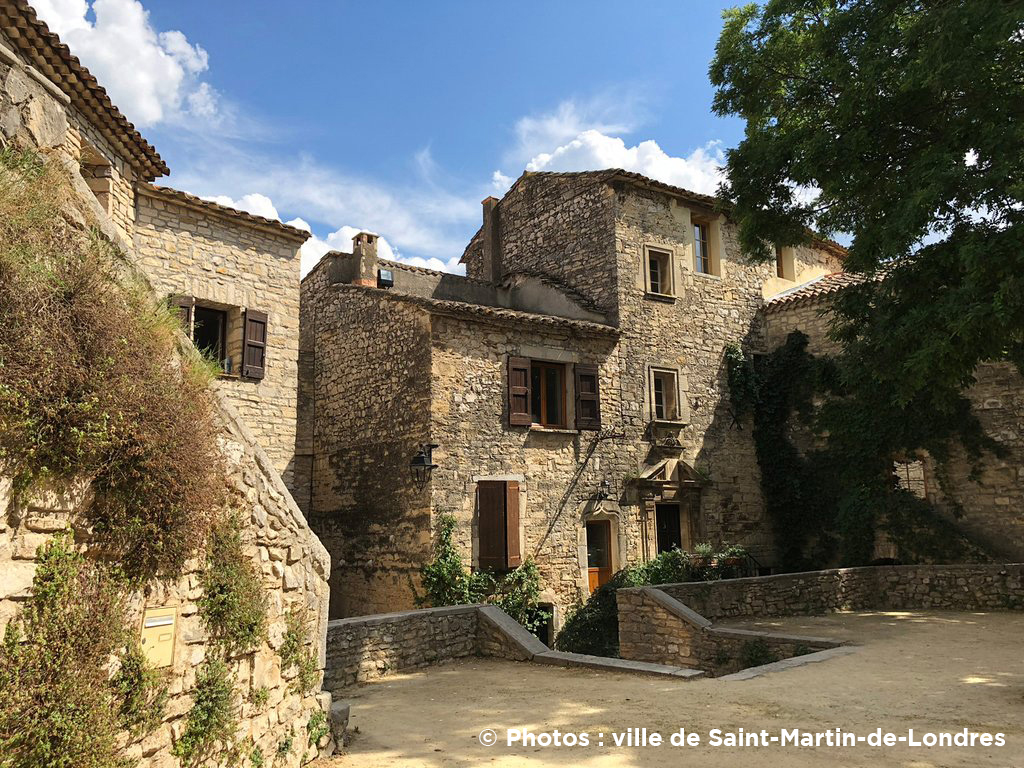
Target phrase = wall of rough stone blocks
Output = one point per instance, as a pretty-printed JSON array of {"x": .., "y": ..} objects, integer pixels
[
  {"x": 233, "y": 264},
  {"x": 651, "y": 631},
  {"x": 293, "y": 565},
  {"x": 987, "y": 504},
  {"x": 901, "y": 587},
  {"x": 292, "y": 562},
  {"x": 363, "y": 415}
]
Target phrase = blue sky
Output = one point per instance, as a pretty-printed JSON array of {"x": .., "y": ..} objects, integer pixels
[{"x": 400, "y": 117}]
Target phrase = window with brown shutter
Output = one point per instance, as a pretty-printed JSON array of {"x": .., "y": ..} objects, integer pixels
[
  {"x": 254, "y": 345},
  {"x": 513, "y": 548},
  {"x": 519, "y": 414},
  {"x": 183, "y": 305},
  {"x": 588, "y": 398},
  {"x": 491, "y": 531},
  {"x": 498, "y": 525}
]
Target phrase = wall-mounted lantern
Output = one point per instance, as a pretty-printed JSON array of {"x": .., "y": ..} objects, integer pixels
[
  {"x": 422, "y": 465},
  {"x": 604, "y": 490}
]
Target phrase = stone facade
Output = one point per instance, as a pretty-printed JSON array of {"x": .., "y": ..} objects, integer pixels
[
  {"x": 189, "y": 247},
  {"x": 987, "y": 505},
  {"x": 393, "y": 357},
  {"x": 63, "y": 122},
  {"x": 226, "y": 259}
]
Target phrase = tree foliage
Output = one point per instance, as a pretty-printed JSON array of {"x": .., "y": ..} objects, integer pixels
[{"x": 900, "y": 123}]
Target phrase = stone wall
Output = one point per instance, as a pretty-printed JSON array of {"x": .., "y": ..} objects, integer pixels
[
  {"x": 294, "y": 568},
  {"x": 364, "y": 412},
  {"x": 367, "y": 647},
  {"x": 292, "y": 562},
  {"x": 987, "y": 504},
  {"x": 656, "y": 628},
  {"x": 899, "y": 587},
  {"x": 228, "y": 262}
]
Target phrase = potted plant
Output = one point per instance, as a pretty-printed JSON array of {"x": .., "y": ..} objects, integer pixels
[
  {"x": 702, "y": 553},
  {"x": 732, "y": 556}
]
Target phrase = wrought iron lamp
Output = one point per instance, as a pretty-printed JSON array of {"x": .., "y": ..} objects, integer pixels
[{"x": 422, "y": 465}]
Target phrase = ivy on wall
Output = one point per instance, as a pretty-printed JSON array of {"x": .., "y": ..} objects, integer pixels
[{"x": 828, "y": 498}]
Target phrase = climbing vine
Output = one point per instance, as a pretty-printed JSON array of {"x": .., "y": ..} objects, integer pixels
[{"x": 827, "y": 481}]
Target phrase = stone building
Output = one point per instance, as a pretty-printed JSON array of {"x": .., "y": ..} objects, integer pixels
[
  {"x": 222, "y": 261},
  {"x": 988, "y": 505},
  {"x": 235, "y": 276},
  {"x": 568, "y": 390}
]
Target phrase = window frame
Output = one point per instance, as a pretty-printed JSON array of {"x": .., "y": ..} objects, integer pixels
[
  {"x": 785, "y": 263},
  {"x": 654, "y": 372},
  {"x": 561, "y": 369},
  {"x": 667, "y": 280},
  {"x": 702, "y": 246}
]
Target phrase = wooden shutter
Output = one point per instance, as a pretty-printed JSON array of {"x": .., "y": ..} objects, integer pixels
[
  {"x": 184, "y": 306},
  {"x": 588, "y": 397},
  {"x": 254, "y": 345},
  {"x": 513, "y": 547},
  {"x": 519, "y": 392},
  {"x": 491, "y": 525}
]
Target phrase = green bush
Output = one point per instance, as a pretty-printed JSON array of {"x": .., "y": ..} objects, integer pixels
[
  {"x": 213, "y": 717},
  {"x": 57, "y": 709},
  {"x": 593, "y": 626},
  {"x": 447, "y": 582},
  {"x": 142, "y": 691},
  {"x": 755, "y": 653},
  {"x": 234, "y": 602},
  {"x": 294, "y": 653},
  {"x": 317, "y": 728}
]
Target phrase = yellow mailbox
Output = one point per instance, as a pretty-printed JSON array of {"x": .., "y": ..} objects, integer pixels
[{"x": 158, "y": 625}]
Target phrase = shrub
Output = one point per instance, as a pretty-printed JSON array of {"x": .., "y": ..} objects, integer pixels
[
  {"x": 88, "y": 383},
  {"x": 294, "y": 653},
  {"x": 260, "y": 697},
  {"x": 212, "y": 718},
  {"x": 142, "y": 691},
  {"x": 755, "y": 653},
  {"x": 57, "y": 708},
  {"x": 234, "y": 602},
  {"x": 317, "y": 727}
]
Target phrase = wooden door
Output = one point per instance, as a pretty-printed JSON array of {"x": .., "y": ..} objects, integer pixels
[{"x": 599, "y": 553}]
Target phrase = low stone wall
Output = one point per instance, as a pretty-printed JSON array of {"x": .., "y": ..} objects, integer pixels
[
  {"x": 367, "y": 647},
  {"x": 996, "y": 587},
  {"x": 672, "y": 623},
  {"x": 655, "y": 627}
]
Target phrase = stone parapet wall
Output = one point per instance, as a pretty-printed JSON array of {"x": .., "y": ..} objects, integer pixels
[
  {"x": 655, "y": 627},
  {"x": 899, "y": 587},
  {"x": 364, "y": 648}
]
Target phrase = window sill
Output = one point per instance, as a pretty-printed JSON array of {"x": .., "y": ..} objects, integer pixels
[
  {"x": 553, "y": 430},
  {"x": 707, "y": 275},
  {"x": 669, "y": 423},
  {"x": 667, "y": 298}
]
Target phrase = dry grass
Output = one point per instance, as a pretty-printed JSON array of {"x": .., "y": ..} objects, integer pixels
[{"x": 90, "y": 385}]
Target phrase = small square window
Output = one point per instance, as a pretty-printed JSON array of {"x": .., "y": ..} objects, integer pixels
[
  {"x": 664, "y": 395},
  {"x": 659, "y": 271}
]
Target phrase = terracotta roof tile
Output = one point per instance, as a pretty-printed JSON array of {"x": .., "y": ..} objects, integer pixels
[
  {"x": 49, "y": 55},
  {"x": 814, "y": 290},
  {"x": 486, "y": 313}
]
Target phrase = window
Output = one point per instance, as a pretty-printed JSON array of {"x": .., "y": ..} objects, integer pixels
[
  {"x": 785, "y": 263},
  {"x": 702, "y": 253},
  {"x": 498, "y": 525},
  {"x": 209, "y": 332},
  {"x": 538, "y": 394},
  {"x": 665, "y": 395},
  {"x": 659, "y": 271},
  {"x": 225, "y": 334}
]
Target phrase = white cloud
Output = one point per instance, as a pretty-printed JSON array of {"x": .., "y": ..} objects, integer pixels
[
  {"x": 254, "y": 203},
  {"x": 151, "y": 76},
  {"x": 699, "y": 171}
]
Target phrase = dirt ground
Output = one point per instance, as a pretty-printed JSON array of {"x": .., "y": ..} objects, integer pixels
[{"x": 930, "y": 672}]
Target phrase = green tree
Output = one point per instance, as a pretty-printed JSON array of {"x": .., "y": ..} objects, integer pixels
[{"x": 900, "y": 123}]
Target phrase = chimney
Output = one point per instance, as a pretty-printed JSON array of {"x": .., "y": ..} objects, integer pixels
[
  {"x": 364, "y": 251},
  {"x": 493, "y": 268}
]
